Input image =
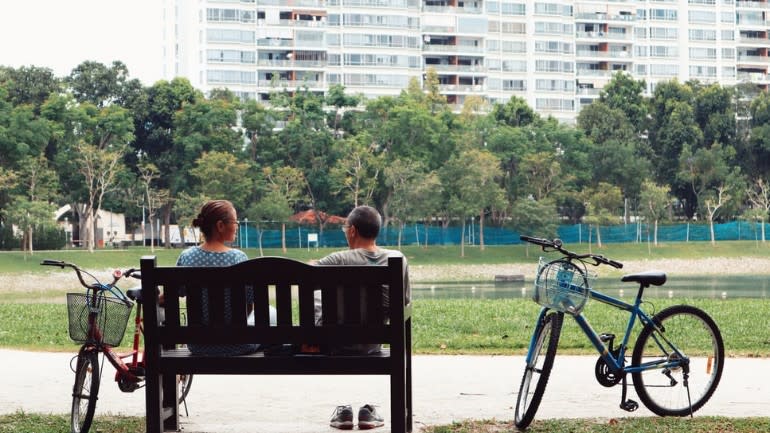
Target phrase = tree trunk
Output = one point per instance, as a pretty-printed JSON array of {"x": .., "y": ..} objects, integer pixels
[
  {"x": 763, "y": 230},
  {"x": 29, "y": 237},
  {"x": 655, "y": 235},
  {"x": 167, "y": 223},
  {"x": 283, "y": 237},
  {"x": 711, "y": 230},
  {"x": 462, "y": 241},
  {"x": 400, "y": 230}
]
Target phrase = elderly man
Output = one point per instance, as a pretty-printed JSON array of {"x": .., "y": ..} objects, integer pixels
[{"x": 361, "y": 230}]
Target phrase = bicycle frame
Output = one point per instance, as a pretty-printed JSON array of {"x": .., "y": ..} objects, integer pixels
[
  {"x": 616, "y": 363},
  {"x": 124, "y": 371}
]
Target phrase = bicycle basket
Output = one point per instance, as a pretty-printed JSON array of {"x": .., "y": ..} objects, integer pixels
[
  {"x": 111, "y": 319},
  {"x": 562, "y": 286}
]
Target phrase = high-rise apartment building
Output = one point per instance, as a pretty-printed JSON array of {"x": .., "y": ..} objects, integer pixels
[{"x": 556, "y": 54}]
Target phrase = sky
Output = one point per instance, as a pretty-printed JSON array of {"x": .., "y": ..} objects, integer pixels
[{"x": 60, "y": 34}]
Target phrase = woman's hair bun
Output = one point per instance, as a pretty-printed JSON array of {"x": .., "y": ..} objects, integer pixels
[{"x": 197, "y": 222}]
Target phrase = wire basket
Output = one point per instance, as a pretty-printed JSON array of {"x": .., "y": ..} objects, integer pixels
[
  {"x": 111, "y": 319},
  {"x": 562, "y": 286}
]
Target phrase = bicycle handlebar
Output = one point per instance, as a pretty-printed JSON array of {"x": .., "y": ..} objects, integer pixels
[
  {"x": 557, "y": 245},
  {"x": 116, "y": 275}
]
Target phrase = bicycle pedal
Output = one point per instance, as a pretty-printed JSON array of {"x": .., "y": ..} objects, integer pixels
[
  {"x": 629, "y": 405},
  {"x": 605, "y": 337}
]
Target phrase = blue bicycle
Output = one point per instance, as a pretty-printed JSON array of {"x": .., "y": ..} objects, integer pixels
[{"x": 677, "y": 358}]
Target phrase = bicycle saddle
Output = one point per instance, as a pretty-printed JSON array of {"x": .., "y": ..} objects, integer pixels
[
  {"x": 135, "y": 294},
  {"x": 656, "y": 278}
]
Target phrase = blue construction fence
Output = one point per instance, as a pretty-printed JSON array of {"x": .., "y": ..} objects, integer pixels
[{"x": 418, "y": 234}]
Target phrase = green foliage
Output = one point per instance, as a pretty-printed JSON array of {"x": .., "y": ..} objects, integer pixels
[{"x": 339, "y": 145}]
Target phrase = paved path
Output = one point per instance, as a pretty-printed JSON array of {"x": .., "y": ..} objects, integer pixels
[{"x": 446, "y": 389}]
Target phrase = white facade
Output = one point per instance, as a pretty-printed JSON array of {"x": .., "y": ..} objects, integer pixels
[{"x": 555, "y": 54}]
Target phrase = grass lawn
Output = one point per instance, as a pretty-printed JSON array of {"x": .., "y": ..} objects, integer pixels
[
  {"x": 616, "y": 425},
  {"x": 450, "y": 326}
]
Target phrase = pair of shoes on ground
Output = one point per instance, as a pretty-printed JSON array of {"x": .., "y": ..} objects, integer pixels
[{"x": 368, "y": 418}]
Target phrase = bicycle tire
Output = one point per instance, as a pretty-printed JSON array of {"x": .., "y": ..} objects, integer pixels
[
  {"x": 667, "y": 392},
  {"x": 85, "y": 392},
  {"x": 185, "y": 382},
  {"x": 527, "y": 403}
]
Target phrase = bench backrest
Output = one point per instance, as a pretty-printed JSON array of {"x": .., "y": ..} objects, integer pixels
[{"x": 352, "y": 303}]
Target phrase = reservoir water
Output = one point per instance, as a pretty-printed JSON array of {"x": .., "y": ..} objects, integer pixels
[{"x": 690, "y": 287}]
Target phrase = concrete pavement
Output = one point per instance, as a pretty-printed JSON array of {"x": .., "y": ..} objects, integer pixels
[{"x": 446, "y": 389}]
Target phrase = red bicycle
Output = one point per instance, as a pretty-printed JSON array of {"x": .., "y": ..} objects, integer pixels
[{"x": 98, "y": 319}]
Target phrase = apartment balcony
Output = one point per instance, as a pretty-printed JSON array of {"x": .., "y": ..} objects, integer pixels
[
  {"x": 292, "y": 64},
  {"x": 753, "y": 41},
  {"x": 460, "y": 88},
  {"x": 292, "y": 23},
  {"x": 764, "y": 60},
  {"x": 603, "y": 18},
  {"x": 602, "y": 55},
  {"x": 760, "y": 24},
  {"x": 603, "y": 36},
  {"x": 439, "y": 29},
  {"x": 301, "y": 3},
  {"x": 753, "y": 77},
  {"x": 291, "y": 43},
  {"x": 452, "y": 10},
  {"x": 588, "y": 91},
  {"x": 454, "y": 69},
  {"x": 752, "y": 5},
  {"x": 292, "y": 84},
  {"x": 595, "y": 73},
  {"x": 435, "y": 48}
]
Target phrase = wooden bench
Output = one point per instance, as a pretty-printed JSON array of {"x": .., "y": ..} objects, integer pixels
[{"x": 352, "y": 314}]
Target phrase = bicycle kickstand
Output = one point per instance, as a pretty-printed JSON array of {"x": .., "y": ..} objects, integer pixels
[{"x": 627, "y": 404}]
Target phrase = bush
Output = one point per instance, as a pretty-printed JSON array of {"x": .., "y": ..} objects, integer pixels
[{"x": 49, "y": 238}]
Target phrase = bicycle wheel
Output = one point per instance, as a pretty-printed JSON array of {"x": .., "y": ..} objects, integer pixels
[
  {"x": 85, "y": 392},
  {"x": 682, "y": 390},
  {"x": 538, "y": 369},
  {"x": 185, "y": 382}
]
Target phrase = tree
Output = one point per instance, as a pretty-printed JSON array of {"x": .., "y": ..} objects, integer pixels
[
  {"x": 358, "y": 169},
  {"x": 200, "y": 127},
  {"x": 655, "y": 202},
  {"x": 534, "y": 218},
  {"x": 258, "y": 122},
  {"x": 602, "y": 203},
  {"x": 289, "y": 183},
  {"x": 624, "y": 93},
  {"x": 32, "y": 204},
  {"x": 101, "y": 85},
  {"x": 414, "y": 194},
  {"x": 469, "y": 181},
  {"x": 273, "y": 206},
  {"x": 516, "y": 112},
  {"x": 29, "y": 85},
  {"x": 220, "y": 174},
  {"x": 336, "y": 97},
  {"x": 759, "y": 197},
  {"x": 154, "y": 198},
  {"x": 710, "y": 177}
]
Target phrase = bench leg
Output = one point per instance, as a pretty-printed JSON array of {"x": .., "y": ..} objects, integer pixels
[
  {"x": 154, "y": 403},
  {"x": 170, "y": 403},
  {"x": 398, "y": 398},
  {"x": 408, "y": 350}
]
